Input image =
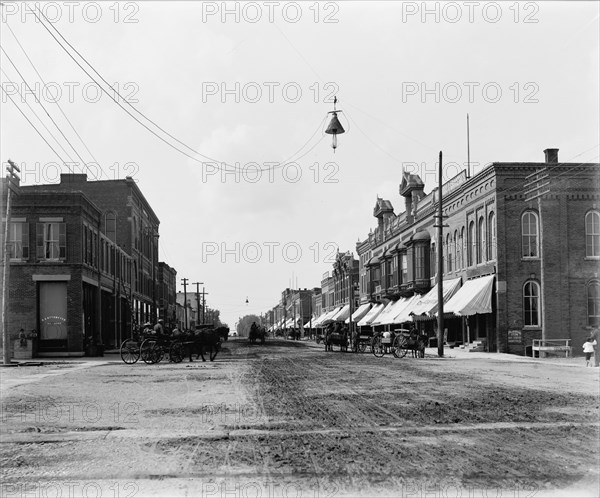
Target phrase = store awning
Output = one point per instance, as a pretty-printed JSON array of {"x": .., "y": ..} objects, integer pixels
[
  {"x": 403, "y": 314},
  {"x": 362, "y": 310},
  {"x": 317, "y": 322},
  {"x": 341, "y": 315},
  {"x": 390, "y": 311},
  {"x": 427, "y": 305},
  {"x": 329, "y": 317},
  {"x": 310, "y": 322},
  {"x": 371, "y": 315},
  {"x": 475, "y": 297}
]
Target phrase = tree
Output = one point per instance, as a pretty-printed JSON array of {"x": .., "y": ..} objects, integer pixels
[{"x": 243, "y": 326}]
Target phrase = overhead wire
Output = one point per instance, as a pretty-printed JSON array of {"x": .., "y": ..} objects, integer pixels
[
  {"x": 219, "y": 164},
  {"x": 56, "y": 102},
  {"x": 42, "y": 106},
  {"x": 33, "y": 126}
]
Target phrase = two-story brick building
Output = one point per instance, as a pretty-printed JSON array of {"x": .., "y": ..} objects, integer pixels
[{"x": 83, "y": 264}]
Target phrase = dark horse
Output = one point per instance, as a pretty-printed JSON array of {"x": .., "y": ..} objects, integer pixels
[
  {"x": 257, "y": 334},
  {"x": 204, "y": 338},
  {"x": 336, "y": 334}
]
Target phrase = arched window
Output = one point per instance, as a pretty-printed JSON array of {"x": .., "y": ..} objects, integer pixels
[
  {"x": 529, "y": 235},
  {"x": 592, "y": 234},
  {"x": 531, "y": 304},
  {"x": 491, "y": 239},
  {"x": 462, "y": 248},
  {"x": 593, "y": 299},
  {"x": 111, "y": 226},
  {"x": 455, "y": 250},
  {"x": 481, "y": 240},
  {"x": 448, "y": 253},
  {"x": 472, "y": 244}
]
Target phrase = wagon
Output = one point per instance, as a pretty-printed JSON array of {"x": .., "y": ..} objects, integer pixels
[{"x": 399, "y": 342}]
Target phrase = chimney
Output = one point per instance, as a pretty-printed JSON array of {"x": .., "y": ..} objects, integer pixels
[
  {"x": 73, "y": 178},
  {"x": 551, "y": 155}
]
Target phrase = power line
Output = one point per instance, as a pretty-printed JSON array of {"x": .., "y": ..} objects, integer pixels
[
  {"x": 57, "y": 103},
  {"x": 34, "y": 127},
  {"x": 220, "y": 164},
  {"x": 42, "y": 106}
]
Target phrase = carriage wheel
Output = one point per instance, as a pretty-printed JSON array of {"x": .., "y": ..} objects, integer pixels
[
  {"x": 176, "y": 352},
  {"x": 400, "y": 347},
  {"x": 130, "y": 351},
  {"x": 377, "y": 346},
  {"x": 150, "y": 351}
]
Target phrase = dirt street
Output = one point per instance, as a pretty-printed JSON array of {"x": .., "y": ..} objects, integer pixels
[{"x": 288, "y": 419}]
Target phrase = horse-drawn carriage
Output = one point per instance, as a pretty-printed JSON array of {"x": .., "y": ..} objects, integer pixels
[
  {"x": 152, "y": 347},
  {"x": 337, "y": 335},
  {"x": 256, "y": 334},
  {"x": 399, "y": 342}
]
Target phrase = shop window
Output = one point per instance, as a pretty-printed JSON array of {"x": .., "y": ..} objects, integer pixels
[
  {"x": 51, "y": 241},
  {"x": 529, "y": 235},
  {"x": 593, "y": 299},
  {"x": 592, "y": 234},
  {"x": 531, "y": 304}
]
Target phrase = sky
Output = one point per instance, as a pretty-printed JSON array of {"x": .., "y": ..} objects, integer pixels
[{"x": 250, "y": 195}]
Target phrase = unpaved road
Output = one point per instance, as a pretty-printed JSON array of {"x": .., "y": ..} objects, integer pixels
[{"x": 288, "y": 419}]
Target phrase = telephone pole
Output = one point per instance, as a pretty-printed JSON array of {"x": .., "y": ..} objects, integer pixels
[
  {"x": 12, "y": 184},
  {"x": 184, "y": 282},
  {"x": 198, "y": 284},
  {"x": 204, "y": 305},
  {"x": 440, "y": 269}
]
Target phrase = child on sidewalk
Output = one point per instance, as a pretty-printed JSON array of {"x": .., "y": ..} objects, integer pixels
[{"x": 588, "y": 349}]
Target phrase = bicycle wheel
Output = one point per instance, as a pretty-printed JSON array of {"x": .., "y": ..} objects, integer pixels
[
  {"x": 130, "y": 351},
  {"x": 377, "y": 346}
]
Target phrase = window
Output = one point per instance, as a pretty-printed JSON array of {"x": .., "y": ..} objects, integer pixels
[
  {"x": 462, "y": 247},
  {"x": 529, "y": 235},
  {"x": 403, "y": 268},
  {"x": 593, "y": 298},
  {"x": 455, "y": 250},
  {"x": 592, "y": 234},
  {"x": 18, "y": 240},
  {"x": 472, "y": 244},
  {"x": 481, "y": 256},
  {"x": 433, "y": 259},
  {"x": 420, "y": 270},
  {"x": 531, "y": 304},
  {"x": 491, "y": 239},
  {"x": 111, "y": 226},
  {"x": 449, "y": 252},
  {"x": 51, "y": 241}
]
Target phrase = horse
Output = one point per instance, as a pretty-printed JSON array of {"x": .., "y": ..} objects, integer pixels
[
  {"x": 336, "y": 334},
  {"x": 257, "y": 334},
  {"x": 204, "y": 338}
]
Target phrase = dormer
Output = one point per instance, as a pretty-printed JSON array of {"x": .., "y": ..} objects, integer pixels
[
  {"x": 384, "y": 212},
  {"x": 411, "y": 189}
]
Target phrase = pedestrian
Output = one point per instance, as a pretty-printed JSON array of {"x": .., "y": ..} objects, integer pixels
[
  {"x": 594, "y": 336},
  {"x": 588, "y": 349}
]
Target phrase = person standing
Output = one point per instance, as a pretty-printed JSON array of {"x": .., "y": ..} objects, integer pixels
[
  {"x": 588, "y": 350},
  {"x": 594, "y": 337}
]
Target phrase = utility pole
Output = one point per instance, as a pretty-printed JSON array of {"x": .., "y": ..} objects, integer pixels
[
  {"x": 198, "y": 284},
  {"x": 440, "y": 226},
  {"x": 184, "y": 282},
  {"x": 12, "y": 183},
  {"x": 204, "y": 305}
]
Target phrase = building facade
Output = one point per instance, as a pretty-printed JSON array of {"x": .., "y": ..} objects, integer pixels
[
  {"x": 537, "y": 247},
  {"x": 83, "y": 264}
]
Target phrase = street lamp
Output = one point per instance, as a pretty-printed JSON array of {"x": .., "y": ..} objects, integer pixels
[{"x": 335, "y": 128}]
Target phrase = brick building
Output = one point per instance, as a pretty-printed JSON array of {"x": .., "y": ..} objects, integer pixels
[
  {"x": 83, "y": 263},
  {"x": 518, "y": 268}
]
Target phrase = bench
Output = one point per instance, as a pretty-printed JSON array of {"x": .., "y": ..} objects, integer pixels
[{"x": 544, "y": 346}]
